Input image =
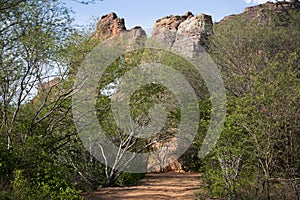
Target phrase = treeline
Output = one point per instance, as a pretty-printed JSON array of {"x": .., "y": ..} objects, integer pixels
[{"x": 258, "y": 153}]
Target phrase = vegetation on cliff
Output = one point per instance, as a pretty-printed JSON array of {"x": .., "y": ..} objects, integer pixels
[{"x": 257, "y": 156}]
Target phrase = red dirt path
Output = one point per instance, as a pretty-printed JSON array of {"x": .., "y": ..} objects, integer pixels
[{"x": 157, "y": 186}]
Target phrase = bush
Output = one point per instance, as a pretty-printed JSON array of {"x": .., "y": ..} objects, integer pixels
[
  {"x": 55, "y": 188},
  {"x": 129, "y": 179},
  {"x": 7, "y": 195}
]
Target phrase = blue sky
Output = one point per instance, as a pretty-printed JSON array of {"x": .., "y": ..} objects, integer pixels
[{"x": 145, "y": 12}]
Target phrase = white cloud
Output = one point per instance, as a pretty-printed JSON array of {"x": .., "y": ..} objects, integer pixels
[{"x": 257, "y": 1}]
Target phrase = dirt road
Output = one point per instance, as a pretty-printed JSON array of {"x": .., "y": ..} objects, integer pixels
[{"x": 171, "y": 185}]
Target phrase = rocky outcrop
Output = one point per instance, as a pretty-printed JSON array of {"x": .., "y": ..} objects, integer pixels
[
  {"x": 111, "y": 25},
  {"x": 261, "y": 12},
  {"x": 171, "y": 22},
  {"x": 165, "y": 29},
  {"x": 108, "y": 26},
  {"x": 278, "y": 6},
  {"x": 47, "y": 90},
  {"x": 186, "y": 34},
  {"x": 163, "y": 158}
]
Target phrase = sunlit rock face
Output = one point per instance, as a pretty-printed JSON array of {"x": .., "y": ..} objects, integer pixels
[
  {"x": 111, "y": 25},
  {"x": 165, "y": 29},
  {"x": 108, "y": 26},
  {"x": 186, "y": 34},
  {"x": 163, "y": 157}
]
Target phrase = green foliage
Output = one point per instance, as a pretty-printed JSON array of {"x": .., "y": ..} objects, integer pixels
[
  {"x": 7, "y": 195},
  {"x": 33, "y": 43},
  {"x": 52, "y": 188},
  {"x": 38, "y": 177},
  {"x": 126, "y": 179},
  {"x": 42, "y": 157},
  {"x": 256, "y": 156},
  {"x": 146, "y": 97}
]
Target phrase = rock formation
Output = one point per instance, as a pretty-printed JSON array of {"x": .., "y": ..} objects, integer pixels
[
  {"x": 47, "y": 90},
  {"x": 164, "y": 160},
  {"x": 108, "y": 26},
  {"x": 186, "y": 33},
  {"x": 261, "y": 12},
  {"x": 165, "y": 29},
  {"x": 278, "y": 6},
  {"x": 111, "y": 25}
]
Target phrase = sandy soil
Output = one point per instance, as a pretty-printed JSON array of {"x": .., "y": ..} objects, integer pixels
[{"x": 157, "y": 186}]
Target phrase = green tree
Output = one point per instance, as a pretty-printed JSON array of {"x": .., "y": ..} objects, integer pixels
[
  {"x": 259, "y": 59},
  {"x": 34, "y": 97}
]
